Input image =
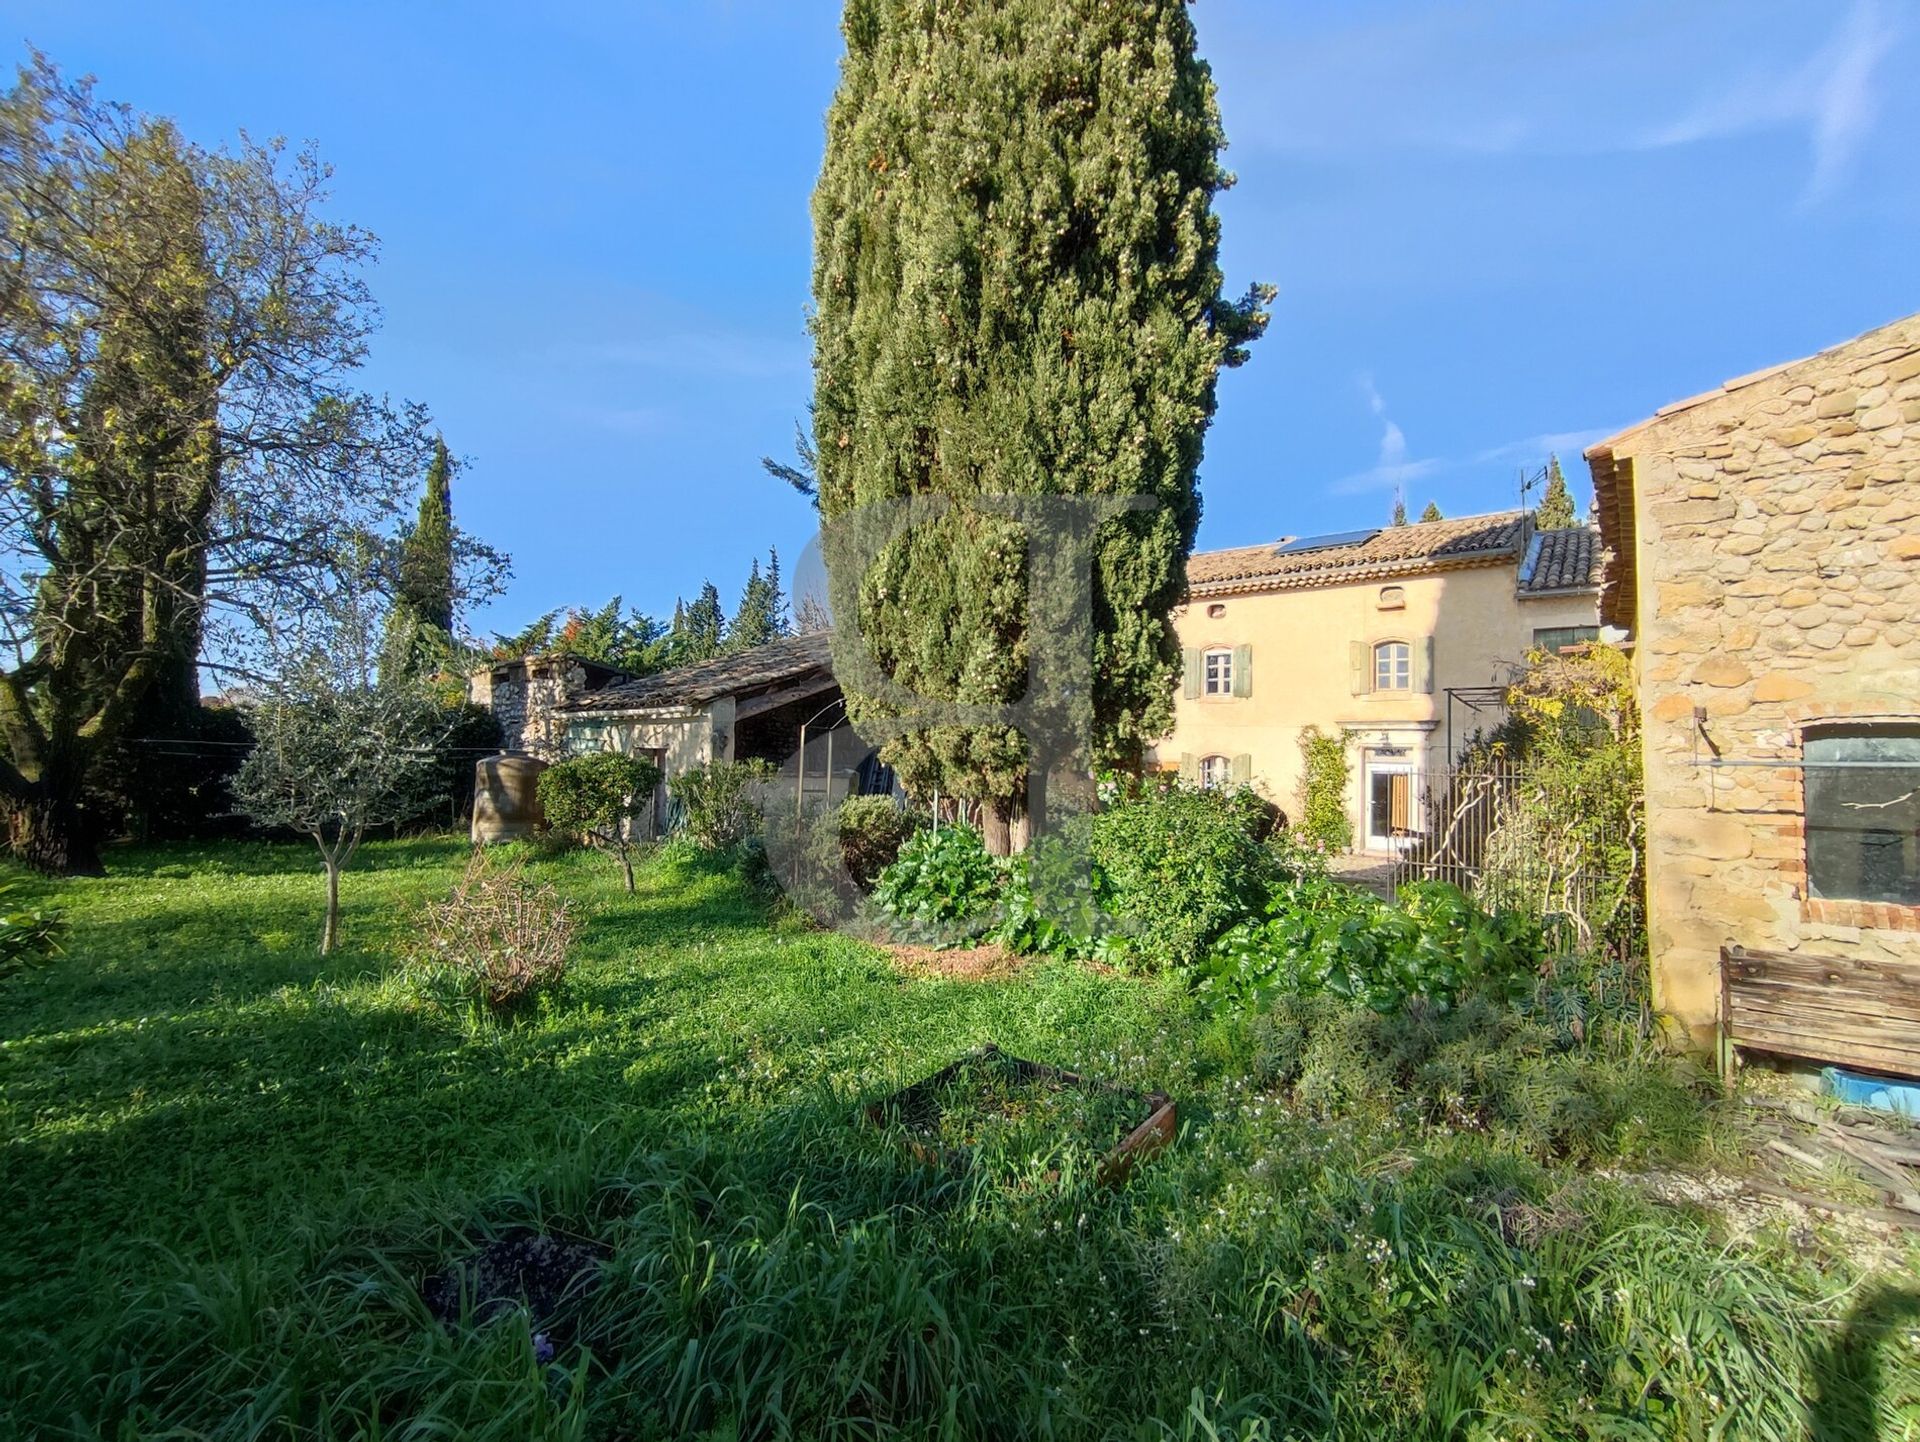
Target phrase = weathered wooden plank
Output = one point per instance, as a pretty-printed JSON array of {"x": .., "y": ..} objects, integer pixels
[
  {"x": 1824, "y": 1008},
  {"x": 1873, "y": 1055},
  {"x": 1823, "y": 1012},
  {"x": 1827, "y": 998},
  {"x": 1897, "y": 978},
  {"x": 1811, "y": 1022}
]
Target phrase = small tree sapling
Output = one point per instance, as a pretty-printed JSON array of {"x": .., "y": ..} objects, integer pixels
[
  {"x": 336, "y": 753},
  {"x": 594, "y": 796}
]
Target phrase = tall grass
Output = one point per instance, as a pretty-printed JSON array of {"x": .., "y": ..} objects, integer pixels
[{"x": 229, "y": 1164}]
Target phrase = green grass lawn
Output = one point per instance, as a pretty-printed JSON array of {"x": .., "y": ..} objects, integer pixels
[{"x": 229, "y": 1163}]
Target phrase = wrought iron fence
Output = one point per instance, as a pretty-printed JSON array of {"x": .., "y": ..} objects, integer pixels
[{"x": 1489, "y": 829}]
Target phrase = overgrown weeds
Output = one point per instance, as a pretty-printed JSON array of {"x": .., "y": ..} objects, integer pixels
[
  {"x": 497, "y": 942},
  {"x": 231, "y": 1163}
]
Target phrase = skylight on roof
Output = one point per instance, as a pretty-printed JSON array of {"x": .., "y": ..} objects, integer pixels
[{"x": 1327, "y": 542}]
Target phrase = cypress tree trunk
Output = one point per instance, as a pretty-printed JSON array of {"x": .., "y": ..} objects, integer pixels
[
  {"x": 996, "y": 827},
  {"x": 51, "y": 833}
]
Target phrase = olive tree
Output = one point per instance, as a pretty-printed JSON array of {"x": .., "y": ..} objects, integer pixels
[
  {"x": 594, "y": 797},
  {"x": 339, "y": 750}
]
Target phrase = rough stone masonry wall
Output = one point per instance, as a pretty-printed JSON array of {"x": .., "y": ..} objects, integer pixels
[
  {"x": 1779, "y": 585},
  {"x": 524, "y": 699}
]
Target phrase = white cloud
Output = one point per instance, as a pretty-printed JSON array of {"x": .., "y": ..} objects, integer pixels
[
  {"x": 1391, "y": 467},
  {"x": 1534, "y": 450},
  {"x": 1831, "y": 93},
  {"x": 1487, "y": 78}
]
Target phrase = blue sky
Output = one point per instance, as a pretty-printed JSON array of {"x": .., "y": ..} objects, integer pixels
[{"x": 1497, "y": 229}]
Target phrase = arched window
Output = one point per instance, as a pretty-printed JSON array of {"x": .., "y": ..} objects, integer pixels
[
  {"x": 1393, "y": 666},
  {"x": 1216, "y": 773}
]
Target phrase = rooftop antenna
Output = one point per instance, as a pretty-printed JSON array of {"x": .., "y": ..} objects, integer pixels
[{"x": 1528, "y": 483}]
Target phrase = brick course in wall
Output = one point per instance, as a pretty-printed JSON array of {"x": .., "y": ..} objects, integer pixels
[{"x": 1765, "y": 554}]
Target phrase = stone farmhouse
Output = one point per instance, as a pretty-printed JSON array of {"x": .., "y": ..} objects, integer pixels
[
  {"x": 1763, "y": 548},
  {"x": 1402, "y": 638},
  {"x": 526, "y": 694},
  {"x": 777, "y": 703}
]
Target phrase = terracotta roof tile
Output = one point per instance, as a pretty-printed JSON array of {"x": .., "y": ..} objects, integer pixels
[
  {"x": 1566, "y": 560},
  {"x": 1392, "y": 551}
]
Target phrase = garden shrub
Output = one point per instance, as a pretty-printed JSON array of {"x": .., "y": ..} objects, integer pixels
[
  {"x": 594, "y": 796},
  {"x": 943, "y": 886},
  {"x": 496, "y": 942},
  {"x": 1182, "y": 865},
  {"x": 1055, "y": 900},
  {"x": 180, "y": 788},
  {"x": 1321, "y": 935},
  {"x": 872, "y": 831},
  {"x": 718, "y": 804}
]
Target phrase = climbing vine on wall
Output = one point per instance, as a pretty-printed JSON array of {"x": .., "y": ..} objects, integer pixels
[{"x": 1324, "y": 774}]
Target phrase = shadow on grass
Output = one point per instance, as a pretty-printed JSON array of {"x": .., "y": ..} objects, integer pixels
[
  {"x": 276, "y": 858},
  {"x": 1847, "y": 1374}
]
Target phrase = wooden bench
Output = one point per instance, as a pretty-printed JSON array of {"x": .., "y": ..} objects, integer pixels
[{"x": 1833, "y": 1009}]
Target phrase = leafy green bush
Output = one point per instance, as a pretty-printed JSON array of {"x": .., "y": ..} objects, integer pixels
[
  {"x": 1322, "y": 936},
  {"x": 942, "y": 887},
  {"x": 497, "y": 942},
  {"x": 594, "y": 798},
  {"x": 1055, "y": 900},
  {"x": 27, "y": 932},
  {"x": 718, "y": 803},
  {"x": 872, "y": 831},
  {"x": 1182, "y": 865}
]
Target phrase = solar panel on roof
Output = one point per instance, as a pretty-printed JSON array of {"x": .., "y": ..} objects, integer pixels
[{"x": 1326, "y": 543}]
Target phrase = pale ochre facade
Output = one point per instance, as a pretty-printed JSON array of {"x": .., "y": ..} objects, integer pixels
[{"x": 1300, "y": 642}]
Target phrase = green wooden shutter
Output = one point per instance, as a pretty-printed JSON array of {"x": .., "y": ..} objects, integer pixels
[
  {"x": 1243, "y": 670},
  {"x": 1360, "y": 660},
  {"x": 1242, "y": 770},
  {"x": 1423, "y": 665},
  {"x": 1190, "y": 658},
  {"x": 1189, "y": 767}
]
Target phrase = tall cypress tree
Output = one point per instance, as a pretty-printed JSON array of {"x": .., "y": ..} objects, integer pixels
[
  {"x": 1555, "y": 511},
  {"x": 1017, "y": 293},
  {"x": 1432, "y": 512},
  {"x": 426, "y": 552}
]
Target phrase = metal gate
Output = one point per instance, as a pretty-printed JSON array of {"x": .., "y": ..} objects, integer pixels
[{"x": 1488, "y": 828}]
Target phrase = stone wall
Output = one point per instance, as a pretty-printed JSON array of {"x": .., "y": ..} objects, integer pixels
[
  {"x": 1773, "y": 530},
  {"x": 525, "y": 696}
]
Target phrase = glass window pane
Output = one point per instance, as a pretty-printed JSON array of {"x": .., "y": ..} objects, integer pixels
[
  {"x": 1863, "y": 814},
  {"x": 1219, "y": 673},
  {"x": 1393, "y": 666}
]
